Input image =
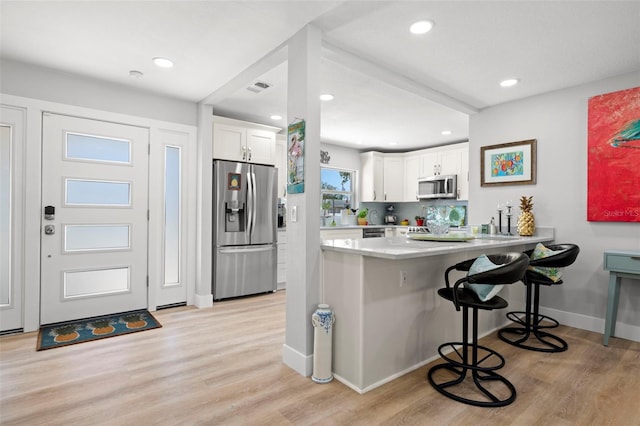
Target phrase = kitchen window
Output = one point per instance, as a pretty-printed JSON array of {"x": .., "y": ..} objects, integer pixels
[{"x": 337, "y": 192}]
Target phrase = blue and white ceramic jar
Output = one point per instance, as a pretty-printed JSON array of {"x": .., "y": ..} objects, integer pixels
[{"x": 322, "y": 320}]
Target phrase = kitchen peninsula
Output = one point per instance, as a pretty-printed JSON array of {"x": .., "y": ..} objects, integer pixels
[{"x": 389, "y": 317}]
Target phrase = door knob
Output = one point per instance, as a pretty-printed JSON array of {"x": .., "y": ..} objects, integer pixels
[{"x": 49, "y": 229}]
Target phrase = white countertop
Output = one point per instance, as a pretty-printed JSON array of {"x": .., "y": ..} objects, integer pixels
[{"x": 404, "y": 248}]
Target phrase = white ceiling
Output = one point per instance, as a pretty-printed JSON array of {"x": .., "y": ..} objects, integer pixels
[{"x": 389, "y": 85}]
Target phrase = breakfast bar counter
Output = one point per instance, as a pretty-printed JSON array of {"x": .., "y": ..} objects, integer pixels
[
  {"x": 389, "y": 317},
  {"x": 397, "y": 248}
]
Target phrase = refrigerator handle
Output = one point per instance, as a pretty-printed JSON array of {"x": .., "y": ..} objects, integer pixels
[
  {"x": 250, "y": 201},
  {"x": 241, "y": 250},
  {"x": 255, "y": 200}
]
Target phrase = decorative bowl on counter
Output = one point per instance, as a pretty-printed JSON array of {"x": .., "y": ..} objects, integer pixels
[
  {"x": 404, "y": 222},
  {"x": 438, "y": 227}
]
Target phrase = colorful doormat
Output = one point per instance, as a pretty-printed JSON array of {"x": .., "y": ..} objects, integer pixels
[{"x": 79, "y": 331}]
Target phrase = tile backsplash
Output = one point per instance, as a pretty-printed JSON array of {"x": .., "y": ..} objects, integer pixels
[{"x": 426, "y": 208}]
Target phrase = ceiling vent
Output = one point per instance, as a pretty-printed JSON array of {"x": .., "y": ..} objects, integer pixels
[{"x": 258, "y": 87}]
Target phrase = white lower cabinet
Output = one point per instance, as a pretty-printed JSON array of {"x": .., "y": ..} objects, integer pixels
[{"x": 282, "y": 260}]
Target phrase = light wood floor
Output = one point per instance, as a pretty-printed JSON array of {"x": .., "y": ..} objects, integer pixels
[{"x": 223, "y": 365}]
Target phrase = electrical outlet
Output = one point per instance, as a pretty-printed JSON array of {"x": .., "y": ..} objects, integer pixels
[{"x": 403, "y": 278}]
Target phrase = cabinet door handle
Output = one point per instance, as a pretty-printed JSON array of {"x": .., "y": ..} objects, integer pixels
[
  {"x": 249, "y": 154},
  {"x": 385, "y": 196},
  {"x": 374, "y": 194},
  {"x": 244, "y": 152}
]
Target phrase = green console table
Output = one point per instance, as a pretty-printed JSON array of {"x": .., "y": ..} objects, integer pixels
[{"x": 620, "y": 264}]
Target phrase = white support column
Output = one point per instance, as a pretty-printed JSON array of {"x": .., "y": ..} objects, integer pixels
[
  {"x": 303, "y": 272},
  {"x": 203, "y": 297}
]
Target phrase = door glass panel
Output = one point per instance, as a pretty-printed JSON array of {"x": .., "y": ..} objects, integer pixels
[
  {"x": 172, "y": 215},
  {"x": 96, "y": 148},
  {"x": 96, "y": 282},
  {"x": 97, "y": 193},
  {"x": 96, "y": 237},
  {"x": 5, "y": 215}
]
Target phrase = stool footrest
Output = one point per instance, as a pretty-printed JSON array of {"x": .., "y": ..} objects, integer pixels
[
  {"x": 519, "y": 317},
  {"x": 532, "y": 339},
  {"x": 484, "y": 354},
  {"x": 504, "y": 395}
]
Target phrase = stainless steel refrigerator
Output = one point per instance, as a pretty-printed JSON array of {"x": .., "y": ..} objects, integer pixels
[{"x": 244, "y": 229}]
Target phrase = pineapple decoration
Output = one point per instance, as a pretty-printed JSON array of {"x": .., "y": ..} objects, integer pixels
[{"x": 526, "y": 221}]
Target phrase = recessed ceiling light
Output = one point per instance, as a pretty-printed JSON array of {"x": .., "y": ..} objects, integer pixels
[
  {"x": 509, "y": 82},
  {"x": 276, "y": 117},
  {"x": 162, "y": 62},
  {"x": 135, "y": 74},
  {"x": 421, "y": 27},
  {"x": 393, "y": 143},
  {"x": 326, "y": 97},
  {"x": 446, "y": 132}
]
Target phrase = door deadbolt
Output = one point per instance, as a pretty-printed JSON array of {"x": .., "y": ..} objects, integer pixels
[
  {"x": 49, "y": 229},
  {"x": 49, "y": 212}
]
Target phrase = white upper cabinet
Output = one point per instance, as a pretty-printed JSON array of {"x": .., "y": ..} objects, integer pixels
[
  {"x": 371, "y": 176},
  {"x": 381, "y": 177},
  {"x": 444, "y": 160},
  {"x": 411, "y": 175},
  {"x": 393, "y": 178},
  {"x": 261, "y": 146},
  {"x": 463, "y": 174},
  {"x": 236, "y": 140}
]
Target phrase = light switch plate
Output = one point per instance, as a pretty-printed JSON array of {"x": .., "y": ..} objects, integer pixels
[{"x": 294, "y": 213}]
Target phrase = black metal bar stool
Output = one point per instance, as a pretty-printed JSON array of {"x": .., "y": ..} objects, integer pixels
[
  {"x": 484, "y": 387},
  {"x": 530, "y": 327}
]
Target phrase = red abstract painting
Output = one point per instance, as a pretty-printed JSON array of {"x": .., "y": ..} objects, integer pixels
[{"x": 613, "y": 191}]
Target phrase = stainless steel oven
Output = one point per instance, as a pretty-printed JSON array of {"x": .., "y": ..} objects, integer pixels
[{"x": 372, "y": 232}]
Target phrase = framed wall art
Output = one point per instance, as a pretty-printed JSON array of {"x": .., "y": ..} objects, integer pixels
[
  {"x": 512, "y": 163},
  {"x": 613, "y": 175},
  {"x": 295, "y": 157}
]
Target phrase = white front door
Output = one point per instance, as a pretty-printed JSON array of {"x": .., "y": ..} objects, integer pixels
[{"x": 94, "y": 218}]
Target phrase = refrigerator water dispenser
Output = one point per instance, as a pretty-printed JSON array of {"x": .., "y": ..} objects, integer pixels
[{"x": 234, "y": 216}]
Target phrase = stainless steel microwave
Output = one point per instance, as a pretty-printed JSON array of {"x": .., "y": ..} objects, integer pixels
[{"x": 440, "y": 186}]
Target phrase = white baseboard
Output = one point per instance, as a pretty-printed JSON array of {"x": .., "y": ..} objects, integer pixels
[
  {"x": 583, "y": 322},
  {"x": 297, "y": 361},
  {"x": 203, "y": 300},
  {"x": 303, "y": 364}
]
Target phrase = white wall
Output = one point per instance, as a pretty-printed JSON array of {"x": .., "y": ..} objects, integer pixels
[
  {"x": 342, "y": 157},
  {"x": 47, "y": 84},
  {"x": 558, "y": 121}
]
